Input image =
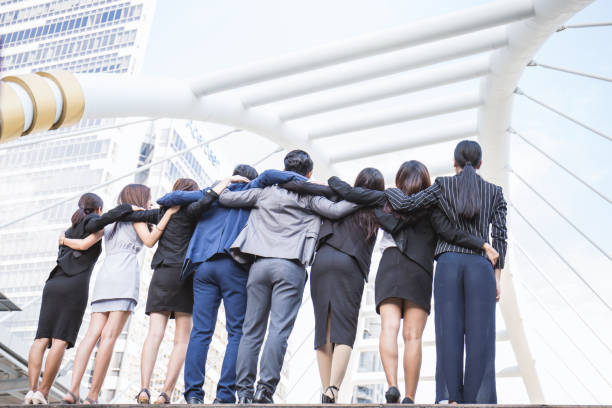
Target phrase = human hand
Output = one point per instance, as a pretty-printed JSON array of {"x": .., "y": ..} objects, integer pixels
[
  {"x": 238, "y": 179},
  {"x": 174, "y": 209},
  {"x": 491, "y": 253},
  {"x": 137, "y": 208},
  {"x": 497, "y": 284},
  {"x": 61, "y": 238}
]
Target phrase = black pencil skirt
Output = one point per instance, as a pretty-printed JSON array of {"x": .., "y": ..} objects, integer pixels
[
  {"x": 167, "y": 293},
  {"x": 336, "y": 287},
  {"x": 400, "y": 277},
  {"x": 64, "y": 300}
]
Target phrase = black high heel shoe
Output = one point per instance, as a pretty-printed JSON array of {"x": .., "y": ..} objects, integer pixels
[
  {"x": 392, "y": 395},
  {"x": 407, "y": 400},
  {"x": 325, "y": 399}
]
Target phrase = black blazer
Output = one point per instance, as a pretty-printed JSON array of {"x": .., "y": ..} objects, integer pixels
[
  {"x": 74, "y": 262},
  {"x": 445, "y": 191},
  {"x": 342, "y": 234},
  {"x": 415, "y": 234},
  {"x": 173, "y": 244}
]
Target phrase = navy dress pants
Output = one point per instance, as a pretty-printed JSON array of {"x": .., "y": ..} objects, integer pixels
[
  {"x": 464, "y": 301},
  {"x": 216, "y": 279}
]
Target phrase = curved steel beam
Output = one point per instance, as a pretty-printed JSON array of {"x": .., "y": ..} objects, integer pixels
[
  {"x": 426, "y": 30},
  {"x": 387, "y": 88},
  {"x": 422, "y": 109},
  {"x": 383, "y": 65},
  {"x": 507, "y": 65}
]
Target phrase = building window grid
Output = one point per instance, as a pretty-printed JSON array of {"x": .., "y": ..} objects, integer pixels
[
  {"x": 125, "y": 14},
  {"x": 82, "y": 150},
  {"x": 102, "y": 41},
  {"x": 189, "y": 159},
  {"x": 109, "y": 63}
]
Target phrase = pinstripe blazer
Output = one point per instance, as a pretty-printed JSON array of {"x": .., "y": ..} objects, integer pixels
[{"x": 445, "y": 191}]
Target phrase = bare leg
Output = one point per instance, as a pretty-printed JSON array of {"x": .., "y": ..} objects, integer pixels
[
  {"x": 390, "y": 316},
  {"x": 150, "y": 348},
  {"x": 52, "y": 365},
  {"x": 414, "y": 324},
  {"x": 177, "y": 358},
  {"x": 340, "y": 360},
  {"x": 35, "y": 359},
  {"x": 96, "y": 323},
  {"x": 111, "y": 331},
  {"x": 324, "y": 360}
]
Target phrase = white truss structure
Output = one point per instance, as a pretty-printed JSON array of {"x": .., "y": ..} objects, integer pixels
[{"x": 270, "y": 96}]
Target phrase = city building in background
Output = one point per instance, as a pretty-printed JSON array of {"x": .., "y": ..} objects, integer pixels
[{"x": 96, "y": 36}]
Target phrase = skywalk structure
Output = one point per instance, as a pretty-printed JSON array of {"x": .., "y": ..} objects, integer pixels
[{"x": 493, "y": 42}]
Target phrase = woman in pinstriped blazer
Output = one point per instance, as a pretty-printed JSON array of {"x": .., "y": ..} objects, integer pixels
[{"x": 466, "y": 285}]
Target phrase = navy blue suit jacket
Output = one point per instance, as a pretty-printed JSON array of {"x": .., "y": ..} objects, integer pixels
[{"x": 219, "y": 226}]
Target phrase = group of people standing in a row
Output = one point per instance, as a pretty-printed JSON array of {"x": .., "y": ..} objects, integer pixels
[{"x": 247, "y": 241}]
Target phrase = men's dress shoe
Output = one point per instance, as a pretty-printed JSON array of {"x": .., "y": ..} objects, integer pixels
[
  {"x": 263, "y": 396},
  {"x": 245, "y": 400},
  {"x": 194, "y": 401},
  {"x": 217, "y": 401}
]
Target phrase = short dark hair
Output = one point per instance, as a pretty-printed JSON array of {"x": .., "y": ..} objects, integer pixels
[
  {"x": 299, "y": 162},
  {"x": 245, "y": 170}
]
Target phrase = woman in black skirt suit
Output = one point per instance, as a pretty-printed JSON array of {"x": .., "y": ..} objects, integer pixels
[
  {"x": 170, "y": 297},
  {"x": 64, "y": 297},
  {"x": 404, "y": 279},
  {"x": 338, "y": 274}
]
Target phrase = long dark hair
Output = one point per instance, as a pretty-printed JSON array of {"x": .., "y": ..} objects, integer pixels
[
  {"x": 88, "y": 203},
  {"x": 468, "y": 156},
  {"x": 372, "y": 179},
  {"x": 411, "y": 177},
  {"x": 135, "y": 194}
]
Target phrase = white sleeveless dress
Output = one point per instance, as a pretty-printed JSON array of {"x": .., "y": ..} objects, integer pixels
[{"x": 118, "y": 281}]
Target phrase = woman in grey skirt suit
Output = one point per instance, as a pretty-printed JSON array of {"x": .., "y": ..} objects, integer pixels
[{"x": 115, "y": 292}]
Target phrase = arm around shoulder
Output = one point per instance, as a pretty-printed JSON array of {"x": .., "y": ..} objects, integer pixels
[
  {"x": 240, "y": 199},
  {"x": 329, "y": 209}
]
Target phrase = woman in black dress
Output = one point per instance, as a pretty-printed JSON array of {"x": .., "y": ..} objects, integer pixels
[
  {"x": 64, "y": 297},
  {"x": 169, "y": 297},
  {"x": 337, "y": 277},
  {"x": 404, "y": 279}
]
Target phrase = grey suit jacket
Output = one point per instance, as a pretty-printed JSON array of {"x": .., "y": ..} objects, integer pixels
[{"x": 282, "y": 224}]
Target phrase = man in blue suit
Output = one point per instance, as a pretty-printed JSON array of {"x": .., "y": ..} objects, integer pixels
[{"x": 217, "y": 276}]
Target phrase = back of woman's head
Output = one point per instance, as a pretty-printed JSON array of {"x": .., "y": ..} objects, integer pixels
[
  {"x": 412, "y": 177},
  {"x": 372, "y": 179},
  {"x": 88, "y": 203},
  {"x": 468, "y": 156},
  {"x": 185, "y": 184},
  {"x": 135, "y": 194}
]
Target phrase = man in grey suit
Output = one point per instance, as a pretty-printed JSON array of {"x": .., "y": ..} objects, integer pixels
[{"x": 280, "y": 239}]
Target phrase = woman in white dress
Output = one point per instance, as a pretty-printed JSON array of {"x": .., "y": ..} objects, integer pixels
[{"x": 115, "y": 292}]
